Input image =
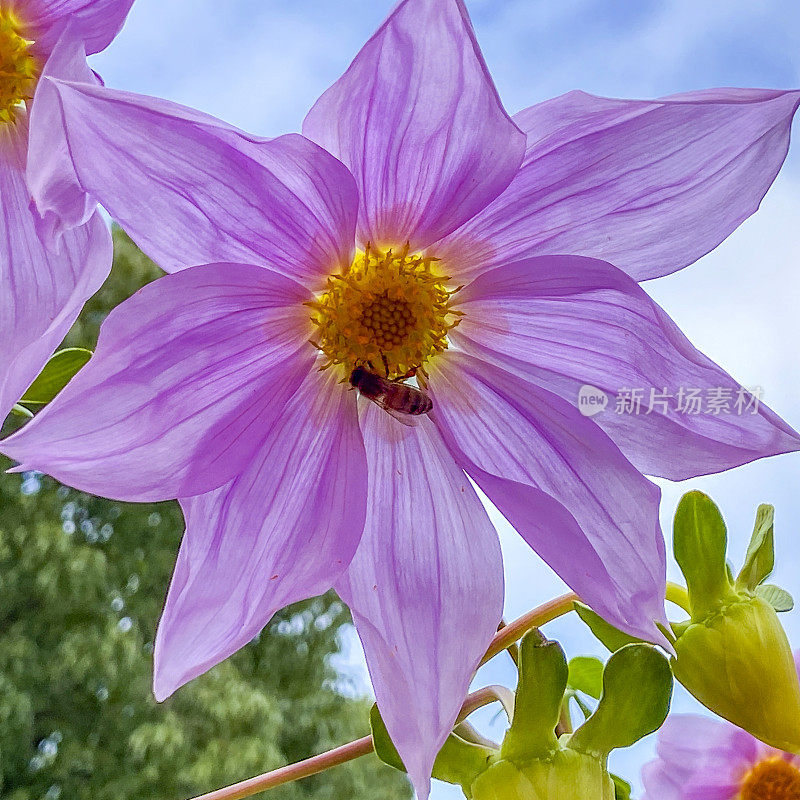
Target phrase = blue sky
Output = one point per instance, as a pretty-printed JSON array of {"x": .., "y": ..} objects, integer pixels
[{"x": 260, "y": 64}]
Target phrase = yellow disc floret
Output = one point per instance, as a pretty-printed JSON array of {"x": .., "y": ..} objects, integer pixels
[
  {"x": 771, "y": 779},
  {"x": 18, "y": 67},
  {"x": 389, "y": 311}
]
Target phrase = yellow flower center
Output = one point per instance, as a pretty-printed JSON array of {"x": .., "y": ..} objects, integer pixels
[
  {"x": 771, "y": 779},
  {"x": 18, "y": 67},
  {"x": 389, "y": 311}
]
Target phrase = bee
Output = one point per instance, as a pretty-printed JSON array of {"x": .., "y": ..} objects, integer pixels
[{"x": 396, "y": 398}]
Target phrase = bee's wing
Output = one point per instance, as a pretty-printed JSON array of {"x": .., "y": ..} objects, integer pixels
[{"x": 408, "y": 420}]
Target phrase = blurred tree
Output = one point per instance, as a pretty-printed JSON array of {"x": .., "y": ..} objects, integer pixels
[{"x": 82, "y": 582}]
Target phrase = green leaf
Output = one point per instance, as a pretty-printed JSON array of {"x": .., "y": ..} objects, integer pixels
[
  {"x": 459, "y": 761},
  {"x": 607, "y": 634},
  {"x": 700, "y": 542},
  {"x": 586, "y": 675},
  {"x": 760, "y": 559},
  {"x": 57, "y": 373},
  {"x": 384, "y": 746},
  {"x": 21, "y": 411},
  {"x": 778, "y": 598},
  {"x": 622, "y": 789},
  {"x": 543, "y": 676},
  {"x": 637, "y": 689}
]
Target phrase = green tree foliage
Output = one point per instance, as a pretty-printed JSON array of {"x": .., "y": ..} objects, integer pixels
[{"x": 82, "y": 583}]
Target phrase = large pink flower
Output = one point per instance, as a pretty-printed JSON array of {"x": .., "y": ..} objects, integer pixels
[
  {"x": 701, "y": 758},
  {"x": 204, "y": 385},
  {"x": 44, "y": 281}
]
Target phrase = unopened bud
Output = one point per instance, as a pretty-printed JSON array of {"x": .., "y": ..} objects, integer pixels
[
  {"x": 737, "y": 662},
  {"x": 565, "y": 775}
]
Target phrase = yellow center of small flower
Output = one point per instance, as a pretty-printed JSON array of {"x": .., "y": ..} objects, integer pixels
[
  {"x": 18, "y": 67},
  {"x": 771, "y": 779},
  {"x": 389, "y": 311}
]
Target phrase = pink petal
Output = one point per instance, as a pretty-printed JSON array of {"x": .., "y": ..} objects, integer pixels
[
  {"x": 569, "y": 321},
  {"x": 419, "y": 123},
  {"x": 694, "y": 743},
  {"x": 425, "y": 586},
  {"x": 281, "y": 531},
  {"x": 45, "y": 283},
  {"x": 648, "y": 185},
  {"x": 704, "y": 756},
  {"x": 49, "y": 169},
  {"x": 193, "y": 190},
  {"x": 187, "y": 376},
  {"x": 97, "y": 22},
  {"x": 660, "y": 783},
  {"x": 562, "y": 483}
]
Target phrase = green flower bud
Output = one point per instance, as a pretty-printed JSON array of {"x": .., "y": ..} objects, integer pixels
[
  {"x": 737, "y": 662},
  {"x": 564, "y": 775},
  {"x": 733, "y": 654},
  {"x": 634, "y": 691}
]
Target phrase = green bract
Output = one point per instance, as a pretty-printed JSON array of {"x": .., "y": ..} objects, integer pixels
[
  {"x": 565, "y": 775},
  {"x": 700, "y": 543},
  {"x": 543, "y": 674},
  {"x": 637, "y": 689},
  {"x": 760, "y": 558}
]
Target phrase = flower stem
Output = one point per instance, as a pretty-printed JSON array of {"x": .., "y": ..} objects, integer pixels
[
  {"x": 678, "y": 595},
  {"x": 292, "y": 772},
  {"x": 513, "y": 651},
  {"x": 515, "y": 630},
  {"x": 333, "y": 758},
  {"x": 486, "y": 696}
]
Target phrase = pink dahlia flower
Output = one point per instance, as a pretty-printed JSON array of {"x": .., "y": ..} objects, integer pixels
[
  {"x": 700, "y": 758},
  {"x": 416, "y": 235},
  {"x": 44, "y": 282}
]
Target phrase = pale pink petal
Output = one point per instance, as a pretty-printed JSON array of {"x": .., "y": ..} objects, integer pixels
[
  {"x": 693, "y": 743},
  {"x": 187, "y": 376},
  {"x": 568, "y": 322},
  {"x": 97, "y": 22},
  {"x": 562, "y": 483},
  {"x": 192, "y": 190},
  {"x": 419, "y": 123},
  {"x": 49, "y": 169},
  {"x": 44, "y": 283},
  {"x": 649, "y": 185},
  {"x": 703, "y": 757},
  {"x": 281, "y": 531},
  {"x": 425, "y": 586},
  {"x": 660, "y": 783}
]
